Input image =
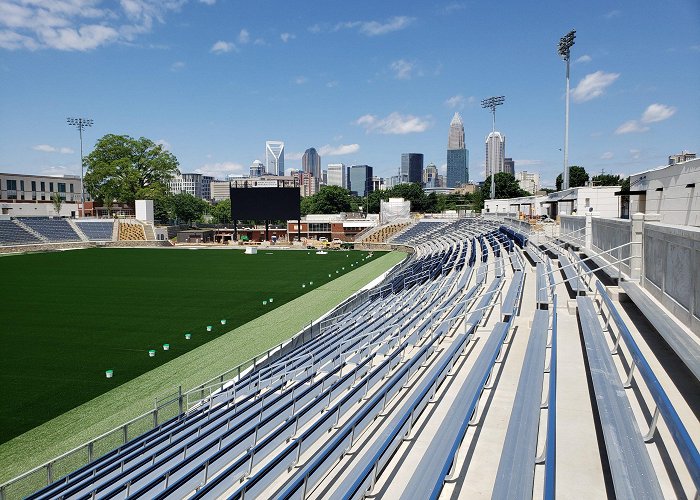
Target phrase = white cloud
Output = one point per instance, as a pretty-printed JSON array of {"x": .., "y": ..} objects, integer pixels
[
  {"x": 635, "y": 154},
  {"x": 593, "y": 85},
  {"x": 612, "y": 14},
  {"x": 222, "y": 169},
  {"x": 630, "y": 127},
  {"x": 585, "y": 58},
  {"x": 608, "y": 155},
  {"x": 403, "y": 70},
  {"x": 293, "y": 156},
  {"x": 301, "y": 80},
  {"x": 46, "y": 148},
  {"x": 343, "y": 149},
  {"x": 59, "y": 170},
  {"x": 332, "y": 83},
  {"x": 316, "y": 28},
  {"x": 259, "y": 41},
  {"x": 243, "y": 37},
  {"x": 177, "y": 66},
  {"x": 453, "y": 7},
  {"x": 222, "y": 47},
  {"x": 376, "y": 28},
  {"x": 394, "y": 124},
  {"x": 164, "y": 144},
  {"x": 456, "y": 101},
  {"x": 80, "y": 25},
  {"x": 285, "y": 37},
  {"x": 208, "y": 2},
  {"x": 657, "y": 113}
]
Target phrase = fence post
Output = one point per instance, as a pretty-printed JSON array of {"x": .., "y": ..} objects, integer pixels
[
  {"x": 179, "y": 400},
  {"x": 588, "y": 233}
]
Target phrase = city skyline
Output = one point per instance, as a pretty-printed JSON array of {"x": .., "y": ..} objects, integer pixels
[{"x": 349, "y": 79}]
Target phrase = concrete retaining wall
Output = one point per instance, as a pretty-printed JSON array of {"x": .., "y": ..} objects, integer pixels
[
  {"x": 610, "y": 233},
  {"x": 672, "y": 268}
]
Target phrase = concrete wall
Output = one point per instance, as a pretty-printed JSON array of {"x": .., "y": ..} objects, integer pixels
[
  {"x": 672, "y": 268},
  {"x": 38, "y": 209},
  {"x": 610, "y": 233}
]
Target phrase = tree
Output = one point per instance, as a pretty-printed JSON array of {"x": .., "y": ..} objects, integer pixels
[
  {"x": 506, "y": 187},
  {"x": 222, "y": 212},
  {"x": 577, "y": 177},
  {"x": 607, "y": 180},
  {"x": 329, "y": 200},
  {"x": 188, "y": 208},
  {"x": 122, "y": 169},
  {"x": 57, "y": 202}
]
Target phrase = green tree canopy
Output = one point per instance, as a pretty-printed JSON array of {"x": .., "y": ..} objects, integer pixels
[
  {"x": 506, "y": 187},
  {"x": 329, "y": 200},
  {"x": 188, "y": 208},
  {"x": 121, "y": 168},
  {"x": 577, "y": 177},
  {"x": 607, "y": 180},
  {"x": 222, "y": 211}
]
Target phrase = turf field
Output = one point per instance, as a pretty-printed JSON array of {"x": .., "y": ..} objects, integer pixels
[{"x": 69, "y": 316}]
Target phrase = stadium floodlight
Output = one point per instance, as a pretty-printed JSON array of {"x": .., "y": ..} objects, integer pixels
[
  {"x": 80, "y": 124},
  {"x": 491, "y": 104},
  {"x": 564, "y": 49}
]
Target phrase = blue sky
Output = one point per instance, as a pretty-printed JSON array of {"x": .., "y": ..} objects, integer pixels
[{"x": 362, "y": 81}]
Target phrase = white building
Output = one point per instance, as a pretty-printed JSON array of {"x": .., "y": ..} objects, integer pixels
[
  {"x": 257, "y": 169},
  {"x": 29, "y": 195},
  {"x": 672, "y": 191},
  {"x": 495, "y": 153},
  {"x": 198, "y": 185},
  {"x": 530, "y": 206},
  {"x": 274, "y": 157},
  {"x": 337, "y": 175},
  {"x": 529, "y": 181},
  {"x": 220, "y": 190},
  {"x": 597, "y": 200}
]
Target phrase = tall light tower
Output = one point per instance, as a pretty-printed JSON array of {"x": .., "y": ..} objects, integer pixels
[
  {"x": 80, "y": 124},
  {"x": 491, "y": 104},
  {"x": 565, "y": 44}
]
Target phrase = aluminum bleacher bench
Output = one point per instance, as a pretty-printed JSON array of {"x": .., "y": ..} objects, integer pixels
[
  {"x": 632, "y": 473},
  {"x": 532, "y": 254},
  {"x": 664, "y": 407},
  {"x": 510, "y": 303},
  {"x": 573, "y": 280},
  {"x": 542, "y": 297},
  {"x": 516, "y": 470},
  {"x": 685, "y": 347}
]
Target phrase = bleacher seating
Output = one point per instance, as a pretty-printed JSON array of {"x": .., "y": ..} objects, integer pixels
[
  {"x": 54, "y": 230},
  {"x": 97, "y": 230},
  {"x": 131, "y": 231},
  {"x": 382, "y": 234},
  {"x": 337, "y": 415},
  {"x": 13, "y": 234}
]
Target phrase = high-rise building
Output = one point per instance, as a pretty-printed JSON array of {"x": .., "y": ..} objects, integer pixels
[
  {"x": 412, "y": 166},
  {"x": 337, "y": 175},
  {"x": 495, "y": 153},
  {"x": 308, "y": 184},
  {"x": 360, "y": 179},
  {"x": 529, "y": 181},
  {"x": 430, "y": 176},
  {"x": 257, "y": 169},
  {"x": 457, "y": 154},
  {"x": 509, "y": 166},
  {"x": 683, "y": 156},
  {"x": 198, "y": 185},
  {"x": 311, "y": 162},
  {"x": 274, "y": 157}
]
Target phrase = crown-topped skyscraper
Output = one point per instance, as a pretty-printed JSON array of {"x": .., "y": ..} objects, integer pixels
[{"x": 457, "y": 154}]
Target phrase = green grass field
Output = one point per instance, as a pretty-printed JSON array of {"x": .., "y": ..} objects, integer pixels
[{"x": 69, "y": 316}]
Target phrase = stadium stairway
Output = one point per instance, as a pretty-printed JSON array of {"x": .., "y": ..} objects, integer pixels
[{"x": 468, "y": 372}]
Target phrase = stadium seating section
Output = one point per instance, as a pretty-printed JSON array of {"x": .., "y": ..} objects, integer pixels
[
  {"x": 131, "y": 232},
  {"x": 13, "y": 234},
  {"x": 97, "y": 230},
  {"x": 383, "y": 233},
  {"x": 54, "y": 230}
]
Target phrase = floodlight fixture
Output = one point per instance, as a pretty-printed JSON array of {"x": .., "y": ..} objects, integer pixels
[
  {"x": 80, "y": 124},
  {"x": 491, "y": 103}
]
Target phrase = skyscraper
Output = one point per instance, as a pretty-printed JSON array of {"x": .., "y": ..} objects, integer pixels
[
  {"x": 457, "y": 154},
  {"x": 360, "y": 179},
  {"x": 509, "y": 166},
  {"x": 495, "y": 153},
  {"x": 338, "y": 175},
  {"x": 430, "y": 175},
  {"x": 274, "y": 157},
  {"x": 412, "y": 166},
  {"x": 311, "y": 162},
  {"x": 257, "y": 169}
]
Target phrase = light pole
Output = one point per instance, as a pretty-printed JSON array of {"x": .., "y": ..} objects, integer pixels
[
  {"x": 80, "y": 124},
  {"x": 491, "y": 104},
  {"x": 565, "y": 44}
]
